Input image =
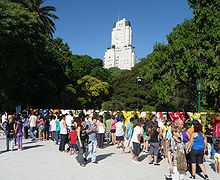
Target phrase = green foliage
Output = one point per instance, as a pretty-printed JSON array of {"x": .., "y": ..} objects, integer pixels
[
  {"x": 113, "y": 105},
  {"x": 45, "y": 17},
  {"x": 94, "y": 90},
  {"x": 115, "y": 71},
  {"x": 192, "y": 52},
  {"x": 29, "y": 75}
]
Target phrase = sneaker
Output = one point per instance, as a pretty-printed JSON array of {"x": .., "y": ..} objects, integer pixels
[
  {"x": 94, "y": 162},
  {"x": 192, "y": 177},
  {"x": 150, "y": 162},
  {"x": 156, "y": 164},
  {"x": 206, "y": 177}
]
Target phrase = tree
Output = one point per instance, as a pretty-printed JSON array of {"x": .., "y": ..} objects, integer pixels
[
  {"x": 94, "y": 91},
  {"x": 29, "y": 72},
  {"x": 192, "y": 53},
  {"x": 47, "y": 25}
]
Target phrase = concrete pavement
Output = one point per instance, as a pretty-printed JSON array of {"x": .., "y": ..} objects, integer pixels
[{"x": 42, "y": 160}]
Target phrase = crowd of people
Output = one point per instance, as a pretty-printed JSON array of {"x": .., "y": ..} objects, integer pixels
[{"x": 184, "y": 148}]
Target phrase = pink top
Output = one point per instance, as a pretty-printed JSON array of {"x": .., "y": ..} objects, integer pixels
[
  {"x": 113, "y": 124},
  {"x": 41, "y": 123}
]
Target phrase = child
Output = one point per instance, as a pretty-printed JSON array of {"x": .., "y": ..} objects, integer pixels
[
  {"x": 73, "y": 136},
  {"x": 208, "y": 134},
  {"x": 19, "y": 133},
  {"x": 217, "y": 155}
]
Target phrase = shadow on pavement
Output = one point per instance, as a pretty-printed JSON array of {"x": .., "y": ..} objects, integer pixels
[
  {"x": 103, "y": 156},
  {"x": 30, "y": 147},
  {"x": 142, "y": 157}
]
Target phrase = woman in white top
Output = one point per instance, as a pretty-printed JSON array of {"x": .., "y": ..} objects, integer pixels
[
  {"x": 63, "y": 134},
  {"x": 136, "y": 137},
  {"x": 101, "y": 132}
]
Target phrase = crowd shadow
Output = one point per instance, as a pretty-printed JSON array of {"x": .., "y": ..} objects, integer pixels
[
  {"x": 23, "y": 148},
  {"x": 30, "y": 147},
  {"x": 101, "y": 157},
  {"x": 142, "y": 157}
]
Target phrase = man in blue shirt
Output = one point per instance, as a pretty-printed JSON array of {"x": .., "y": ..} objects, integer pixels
[
  {"x": 92, "y": 140},
  {"x": 128, "y": 136}
]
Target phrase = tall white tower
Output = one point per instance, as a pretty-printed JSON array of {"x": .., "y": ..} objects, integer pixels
[{"x": 121, "y": 54}]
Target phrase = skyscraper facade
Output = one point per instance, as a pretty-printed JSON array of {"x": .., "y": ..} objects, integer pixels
[{"x": 121, "y": 53}]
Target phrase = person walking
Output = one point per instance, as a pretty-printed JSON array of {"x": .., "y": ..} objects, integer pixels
[
  {"x": 92, "y": 141},
  {"x": 198, "y": 142},
  {"x": 81, "y": 141},
  {"x": 136, "y": 140},
  {"x": 63, "y": 134},
  {"x": 101, "y": 132}
]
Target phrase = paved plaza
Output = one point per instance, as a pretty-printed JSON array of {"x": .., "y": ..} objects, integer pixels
[{"x": 42, "y": 160}]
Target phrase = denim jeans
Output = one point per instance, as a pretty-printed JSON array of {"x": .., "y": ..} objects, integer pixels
[
  {"x": 63, "y": 138},
  {"x": 32, "y": 133},
  {"x": 92, "y": 149},
  {"x": 101, "y": 140},
  {"x": 57, "y": 133},
  {"x": 9, "y": 142},
  {"x": 82, "y": 150}
]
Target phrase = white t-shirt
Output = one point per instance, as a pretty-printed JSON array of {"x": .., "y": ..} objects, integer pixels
[
  {"x": 119, "y": 129},
  {"x": 69, "y": 119},
  {"x": 4, "y": 118},
  {"x": 137, "y": 130},
  {"x": 53, "y": 125}
]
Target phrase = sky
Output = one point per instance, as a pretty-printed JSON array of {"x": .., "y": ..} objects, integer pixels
[{"x": 86, "y": 25}]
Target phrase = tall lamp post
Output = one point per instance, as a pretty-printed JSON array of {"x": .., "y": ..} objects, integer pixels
[
  {"x": 138, "y": 80},
  {"x": 199, "y": 89}
]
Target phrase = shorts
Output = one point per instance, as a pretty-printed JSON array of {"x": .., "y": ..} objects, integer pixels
[
  {"x": 42, "y": 128},
  {"x": 108, "y": 135},
  {"x": 119, "y": 138},
  {"x": 154, "y": 149},
  {"x": 196, "y": 156},
  {"x": 136, "y": 149},
  {"x": 217, "y": 157},
  {"x": 73, "y": 146},
  {"x": 127, "y": 142},
  {"x": 113, "y": 130},
  {"x": 47, "y": 131}
]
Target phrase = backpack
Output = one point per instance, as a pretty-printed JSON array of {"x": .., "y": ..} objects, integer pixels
[{"x": 181, "y": 161}]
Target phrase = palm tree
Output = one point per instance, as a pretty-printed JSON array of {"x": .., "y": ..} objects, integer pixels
[{"x": 46, "y": 18}]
